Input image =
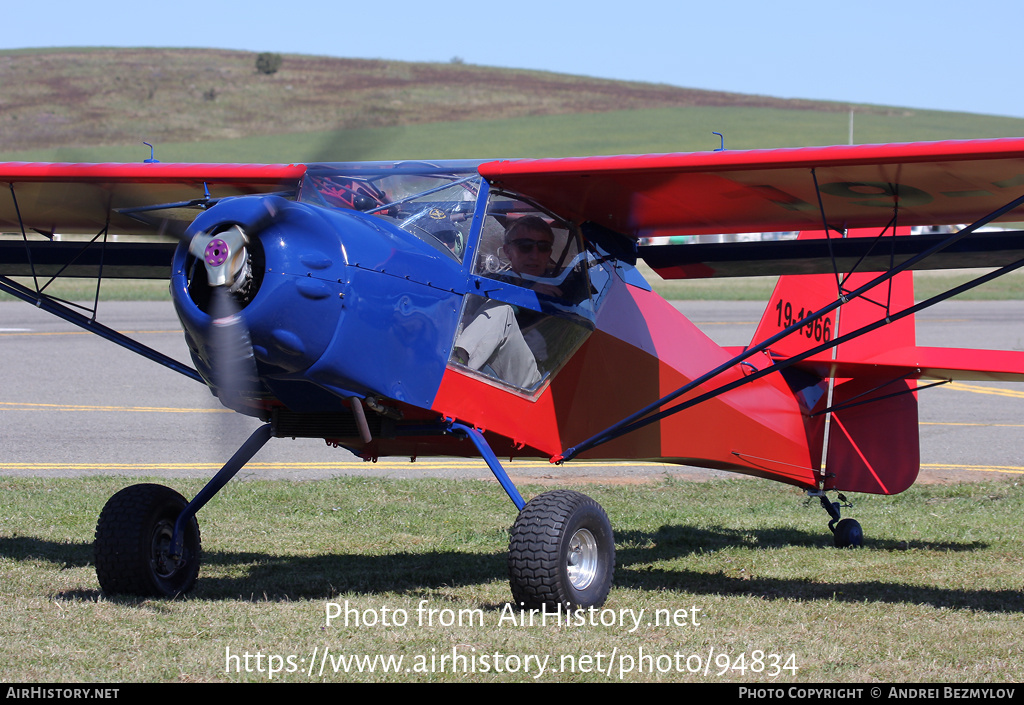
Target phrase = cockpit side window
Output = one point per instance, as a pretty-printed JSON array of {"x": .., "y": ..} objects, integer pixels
[
  {"x": 518, "y": 346},
  {"x": 342, "y": 191},
  {"x": 520, "y": 242}
]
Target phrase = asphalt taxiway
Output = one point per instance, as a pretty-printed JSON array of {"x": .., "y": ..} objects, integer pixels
[{"x": 74, "y": 404}]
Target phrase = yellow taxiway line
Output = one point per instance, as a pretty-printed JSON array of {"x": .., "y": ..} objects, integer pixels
[
  {"x": 36, "y": 406},
  {"x": 1007, "y": 469},
  {"x": 425, "y": 464},
  {"x": 394, "y": 464},
  {"x": 978, "y": 389}
]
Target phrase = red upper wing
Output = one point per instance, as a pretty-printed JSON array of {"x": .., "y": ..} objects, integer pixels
[
  {"x": 774, "y": 190},
  {"x": 77, "y": 198}
]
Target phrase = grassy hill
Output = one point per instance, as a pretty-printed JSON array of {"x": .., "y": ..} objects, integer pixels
[{"x": 211, "y": 105}]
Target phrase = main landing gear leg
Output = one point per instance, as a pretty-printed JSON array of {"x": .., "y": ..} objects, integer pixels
[
  {"x": 147, "y": 537},
  {"x": 846, "y": 533},
  {"x": 561, "y": 550}
]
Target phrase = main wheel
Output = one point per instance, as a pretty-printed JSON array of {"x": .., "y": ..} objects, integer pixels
[
  {"x": 133, "y": 538},
  {"x": 561, "y": 552},
  {"x": 848, "y": 534}
]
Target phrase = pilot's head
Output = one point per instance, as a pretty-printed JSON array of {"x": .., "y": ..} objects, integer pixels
[{"x": 528, "y": 243}]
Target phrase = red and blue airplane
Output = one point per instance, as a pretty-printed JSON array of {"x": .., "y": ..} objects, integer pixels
[{"x": 389, "y": 309}]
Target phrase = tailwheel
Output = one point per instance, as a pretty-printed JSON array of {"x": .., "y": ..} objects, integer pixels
[
  {"x": 561, "y": 552},
  {"x": 133, "y": 544},
  {"x": 848, "y": 534}
]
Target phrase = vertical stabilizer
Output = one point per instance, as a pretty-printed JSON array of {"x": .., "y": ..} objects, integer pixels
[
  {"x": 796, "y": 296},
  {"x": 872, "y": 443}
]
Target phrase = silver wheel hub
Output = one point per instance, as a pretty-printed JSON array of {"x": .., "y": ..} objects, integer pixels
[
  {"x": 582, "y": 560},
  {"x": 160, "y": 559}
]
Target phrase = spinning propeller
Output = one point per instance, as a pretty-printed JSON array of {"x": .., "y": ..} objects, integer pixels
[{"x": 226, "y": 253}]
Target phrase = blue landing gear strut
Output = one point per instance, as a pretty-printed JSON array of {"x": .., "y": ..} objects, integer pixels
[
  {"x": 561, "y": 552},
  {"x": 243, "y": 455},
  {"x": 491, "y": 459}
]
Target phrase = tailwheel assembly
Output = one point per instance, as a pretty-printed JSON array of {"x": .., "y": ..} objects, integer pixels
[{"x": 846, "y": 533}]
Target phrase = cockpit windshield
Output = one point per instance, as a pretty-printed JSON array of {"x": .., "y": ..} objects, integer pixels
[
  {"x": 434, "y": 202},
  {"x": 536, "y": 286}
]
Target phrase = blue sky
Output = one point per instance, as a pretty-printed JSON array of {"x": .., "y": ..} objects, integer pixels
[{"x": 944, "y": 55}]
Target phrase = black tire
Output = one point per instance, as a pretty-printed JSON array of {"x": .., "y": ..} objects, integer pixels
[
  {"x": 561, "y": 552},
  {"x": 848, "y": 534},
  {"x": 132, "y": 540}
]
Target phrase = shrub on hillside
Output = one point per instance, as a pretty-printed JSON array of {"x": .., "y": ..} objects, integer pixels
[{"x": 268, "y": 62}]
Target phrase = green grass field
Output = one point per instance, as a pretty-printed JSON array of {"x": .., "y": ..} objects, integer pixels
[
  {"x": 740, "y": 571},
  {"x": 618, "y": 132},
  {"x": 926, "y": 285}
]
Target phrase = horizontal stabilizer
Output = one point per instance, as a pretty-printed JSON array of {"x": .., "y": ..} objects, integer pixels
[{"x": 966, "y": 364}]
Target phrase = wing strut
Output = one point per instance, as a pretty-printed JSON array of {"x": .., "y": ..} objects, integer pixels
[
  {"x": 31, "y": 263},
  {"x": 828, "y": 236},
  {"x": 892, "y": 224},
  {"x": 62, "y": 310},
  {"x": 51, "y": 305},
  {"x": 646, "y": 416},
  {"x": 24, "y": 235}
]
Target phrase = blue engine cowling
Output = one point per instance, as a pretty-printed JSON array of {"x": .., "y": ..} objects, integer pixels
[{"x": 340, "y": 304}]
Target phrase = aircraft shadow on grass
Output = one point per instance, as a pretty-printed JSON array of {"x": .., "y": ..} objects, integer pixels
[{"x": 270, "y": 577}]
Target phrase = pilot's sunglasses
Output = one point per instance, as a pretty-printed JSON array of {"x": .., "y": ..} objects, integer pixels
[{"x": 526, "y": 245}]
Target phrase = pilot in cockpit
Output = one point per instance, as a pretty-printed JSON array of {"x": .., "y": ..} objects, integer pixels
[{"x": 493, "y": 341}]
